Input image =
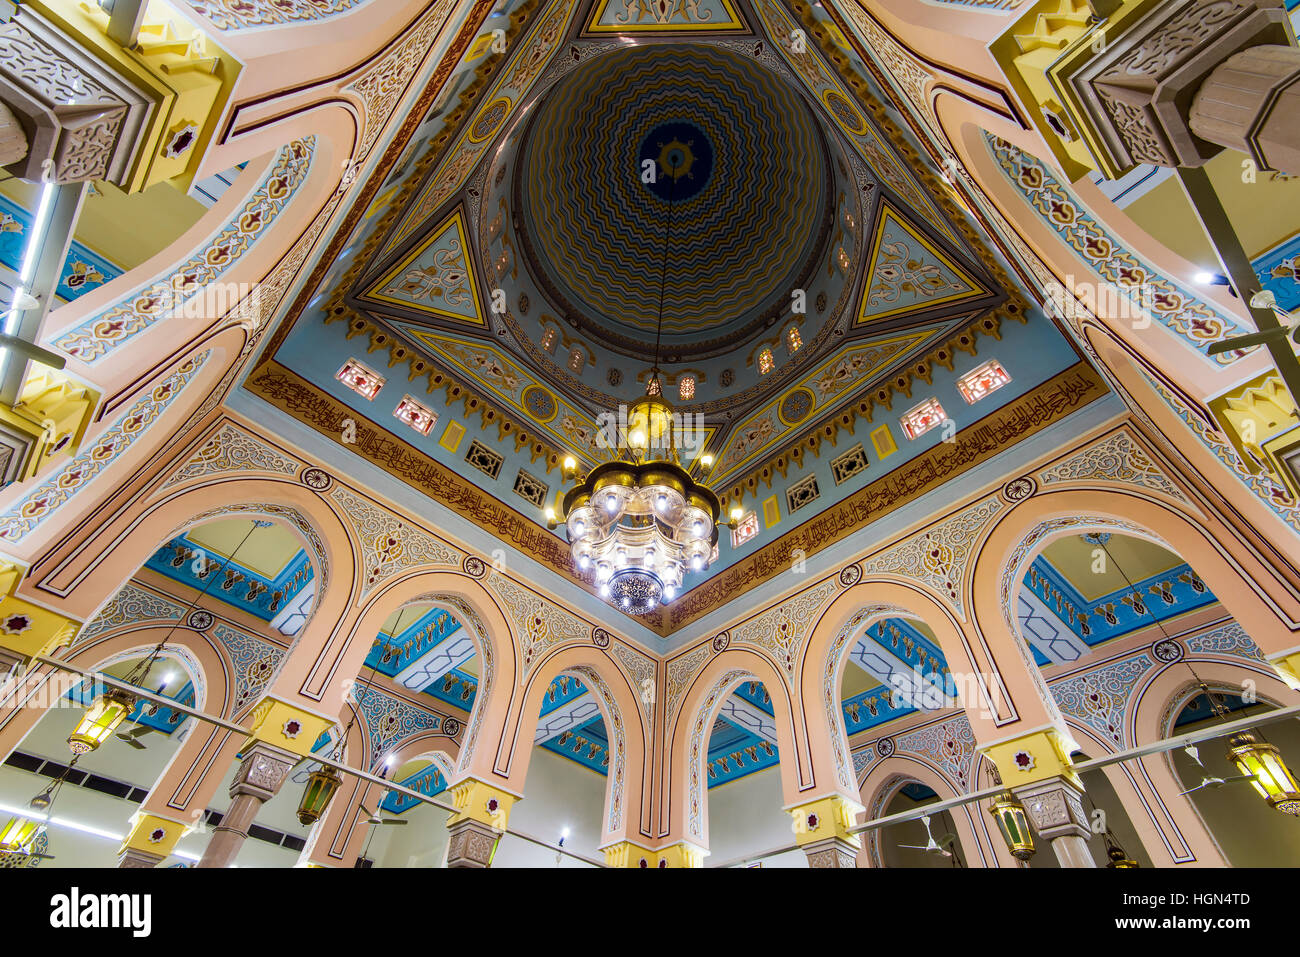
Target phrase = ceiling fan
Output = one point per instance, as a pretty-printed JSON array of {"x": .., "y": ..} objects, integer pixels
[
  {"x": 373, "y": 819},
  {"x": 1209, "y": 780},
  {"x": 1261, "y": 300},
  {"x": 931, "y": 845},
  {"x": 133, "y": 736}
]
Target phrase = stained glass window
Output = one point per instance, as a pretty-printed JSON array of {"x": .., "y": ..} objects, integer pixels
[
  {"x": 765, "y": 362},
  {"x": 794, "y": 340},
  {"x": 686, "y": 387}
]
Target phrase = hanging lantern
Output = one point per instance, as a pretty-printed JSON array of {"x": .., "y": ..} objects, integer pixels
[
  {"x": 1014, "y": 825},
  {"x": 101, "y": 720},
  {"x": 1270, "y": 775},
  {"x": 18, "y": 834},
  {"x": 321, "y": 785},
  {"x": 1118, "y": 859}
]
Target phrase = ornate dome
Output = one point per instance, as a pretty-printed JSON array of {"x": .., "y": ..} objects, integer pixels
[{"x": 749, "y": 152}]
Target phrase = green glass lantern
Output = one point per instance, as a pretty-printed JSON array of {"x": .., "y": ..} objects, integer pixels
[
  {"x": 1014, "y": 825},
  {"x": 1269, "y": 773},
  {"x": 18, "y": 834},
  {"x": 101, "y": 719},
  {"x": 316, "y": 797}
]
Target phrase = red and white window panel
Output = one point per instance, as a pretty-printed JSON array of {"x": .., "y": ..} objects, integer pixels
[
  {"x": 922, "y": 418},
  {"x": 745, "y": 529},
  {"x": 417, "y": 416},
  {"x": 983, "y": 379},
  {"x": 365, "y": 382}
]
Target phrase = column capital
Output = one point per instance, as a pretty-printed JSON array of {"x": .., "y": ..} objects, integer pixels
[
  {"x": 479, "y": 801},
  {"x": 28, "y": 631},
  {"x": 287, "y": 727},
  {"x": 263, "y": 770},
  {"x": 151, "y": 837},
  {"x": 631, "y": 854},
  {"x": 1036, "y": 756},
  {"x": 826, "y": 819},
  {"x": 1055, "y": 808}
]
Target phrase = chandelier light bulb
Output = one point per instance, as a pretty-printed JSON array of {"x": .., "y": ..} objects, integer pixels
[
  {"x": 736, "y": 513},
  {"x": 570, "y": 463},
  {"x": 584, "y": 563},
  {"x": 579, "y": 526},
  {"x": 698, "y": 528},
  {"x": 697, "y": 563},
  {"x": 611, "y": 502},
  {"x": 662, "y": 502}
]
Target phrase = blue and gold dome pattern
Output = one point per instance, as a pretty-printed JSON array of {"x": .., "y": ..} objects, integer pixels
[{"x": 747, "y": 150}]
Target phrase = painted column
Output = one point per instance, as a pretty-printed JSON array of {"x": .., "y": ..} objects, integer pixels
[
  {"x": 821, "y": 831},
  {"x": 150, "y": 841},
  {"x": 480, "y": 819},
  {"x": 281, "y": 735},
  {"x": 1036, "y": 768},
  {"x": 27, "y": 630}
]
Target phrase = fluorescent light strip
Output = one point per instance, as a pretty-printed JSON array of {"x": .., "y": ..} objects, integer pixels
[{"x": 40, "y": 224}]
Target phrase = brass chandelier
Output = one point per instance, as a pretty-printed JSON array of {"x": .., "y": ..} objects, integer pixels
[{"x": 639, "y": 523}]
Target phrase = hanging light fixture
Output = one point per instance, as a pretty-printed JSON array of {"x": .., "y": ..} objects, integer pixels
[
  {"x": 101, "y": 719},
  {"x": 1270, "y": 775},
  {"x": 1119, "y": 861},
  {"x": 20, "y": 832},
  {"x": 638, "y": 524},
  {"x": 1013, "y": 822},
  {"x": 321, "y": 786}
]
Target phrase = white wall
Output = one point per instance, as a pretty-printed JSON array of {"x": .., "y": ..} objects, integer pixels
[{"x": 745, "y": 817}]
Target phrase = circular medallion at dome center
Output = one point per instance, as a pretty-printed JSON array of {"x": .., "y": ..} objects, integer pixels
[{"x": 733, "y": 150}]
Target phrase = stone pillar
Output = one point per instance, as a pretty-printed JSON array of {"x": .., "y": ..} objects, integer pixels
[
  {"x": 1055, "y": 808},
  {"x": 263, "y": 770},
  {"x": 821, "y": 830},
  {"x": 482, "y": 812},
  {"x": 1251, "y": 103}
]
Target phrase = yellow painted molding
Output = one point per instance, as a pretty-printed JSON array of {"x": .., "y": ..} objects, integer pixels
[
  {"x": 1033, "y": 757},
  {"x": 681, "y": 854},
  {"x": 1287, "y": 667},
  {"x": 479, "y": 801},
  {"x": 286, "y": 726},
  {"x": 10, "y": 575},
  {"x": 825, "y": 819},
  {"x": 153, "y": 834},
  {"x": 30, "y": 630},
  {"x": 627, "y": 854}
]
